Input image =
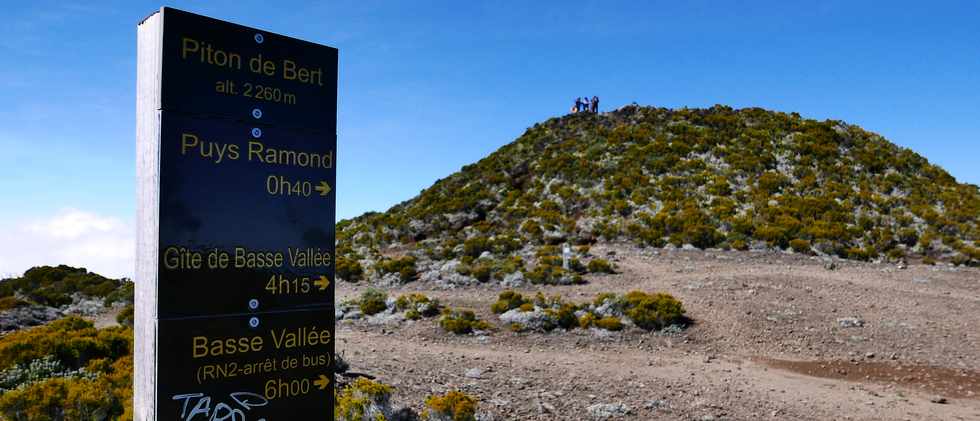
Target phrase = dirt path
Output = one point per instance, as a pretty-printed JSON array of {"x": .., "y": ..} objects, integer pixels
[{"x": 767, "y": 344}]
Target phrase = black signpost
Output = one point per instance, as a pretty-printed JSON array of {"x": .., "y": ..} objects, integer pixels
[{"x": 236, "y": 134}]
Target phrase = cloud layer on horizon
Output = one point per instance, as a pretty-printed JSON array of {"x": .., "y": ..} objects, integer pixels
[{"x": 101, "y": 244}]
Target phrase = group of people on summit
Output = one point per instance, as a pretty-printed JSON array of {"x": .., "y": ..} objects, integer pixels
[{"x": 586, "y": 105}]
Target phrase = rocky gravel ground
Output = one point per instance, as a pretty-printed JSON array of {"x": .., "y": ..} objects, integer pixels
[
  {"x": 18, "y": 318},
  {"x": 776, "y": 336}
]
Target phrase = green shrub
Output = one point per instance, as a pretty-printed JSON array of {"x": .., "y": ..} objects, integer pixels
[
  {"x": 587, "y": 320},
  {"x": 564, "y": 316},
  {"x": 857, "y": 253},
  {"x": 600, "y": 266},
  {"x": 481, "y": 269},
  {"x": 418, "y": 304},
  {"x": 971, "y": 252},
  {"x": 462, "y": 322},
  {"x": 358, "y": 400},
  {"x": 544, "y": 301},
  {"x": 602, "y": 297},
  {"x": 532, "y": 229},
  {"x": 960, "y": 260},
  {"x": 349, "y": 269},
  {"x": 547, "y": 251},
  {"x": 124, "y": 294},
  {"x": 509, "y": 300},
  {"x": 372, "y": 301},
  {"x": 126, "y": 316},
  {"x": 403, "y": 266},
  {"x": 772, "y": 182},
  {"x": 455, "y": 406},
  {"x": 609, "y": 323},
  {"x": 475, "y": 246},
  {"x": 9, "y": 303},
  {"x": 896, "y": 254},
  {"x": 550, "y": 273},
  {"x": 510, "y": 265},
  {"x": 505, "y": 244},
  {"x": 653, "y": 311},
  {"x": 576, "y": 266},
  {"x": 908, "y": 236},
  {"x": 407, "y": 273},
  {"x": 800, "y": 245}
]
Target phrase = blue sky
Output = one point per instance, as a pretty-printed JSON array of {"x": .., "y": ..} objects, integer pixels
[{"x": 427, "y": 87}]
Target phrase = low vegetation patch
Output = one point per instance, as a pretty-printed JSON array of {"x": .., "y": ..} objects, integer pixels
[
  {"x": 550, "y": 268},
  {"x": 127, "y": 316},
  {"x": 609, "y": 323},
  {"x": 417, "y": 306},
  {"x": 373, "y": 301},
  {"x": 509, "y": 300},
  {"x": 349, "y": 269},
  {"x": 462, "y": 322},
  {"x": 403, "y": 266},
  {"x": 607, "y": 311},
  {"x": 67, "y": 370},
  {"x": 361, "y": 400},
  {"x": 9, "y": 303},
  {"x": 453, "y": 406},
  {"x": 600, "y": 266},
  {"x": 652, "y": 311},
  {"x": 485, "y": 269}
]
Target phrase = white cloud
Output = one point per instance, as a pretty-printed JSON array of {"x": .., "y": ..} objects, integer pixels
[
  {"x": 72, "y": 224},
  {"x": 101, "y": 244}
]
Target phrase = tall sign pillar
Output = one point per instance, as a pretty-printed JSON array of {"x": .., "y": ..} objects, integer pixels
[{"x": 236, "y": 165}]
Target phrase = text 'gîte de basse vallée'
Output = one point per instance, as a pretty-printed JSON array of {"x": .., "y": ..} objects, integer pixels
[{"x": 183, "y": 258}]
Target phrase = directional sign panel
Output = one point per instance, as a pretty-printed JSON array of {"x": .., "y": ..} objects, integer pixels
[
  {"x": 218, "y": 68},
  {"x": 246, "y": 217},
  {"x": 274, "y": 369}
]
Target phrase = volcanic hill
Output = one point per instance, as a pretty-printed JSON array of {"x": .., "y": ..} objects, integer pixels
[{"x": 702, "y": 178}]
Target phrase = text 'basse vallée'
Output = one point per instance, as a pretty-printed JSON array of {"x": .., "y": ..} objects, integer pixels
[
  {"x": 300, "y": 337},
  {"x": 206, "y": 53}
]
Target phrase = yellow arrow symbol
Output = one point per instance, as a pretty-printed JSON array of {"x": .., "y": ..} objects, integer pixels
[
  {"x": 323, "y": 188},
  {"x": 322, "y": 382},
  {"x": 323, "y": 282}
]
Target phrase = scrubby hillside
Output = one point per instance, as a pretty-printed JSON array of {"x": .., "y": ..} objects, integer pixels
[
  {"x": 45, "y": 293},
  {"x": 707, "y": 178}
]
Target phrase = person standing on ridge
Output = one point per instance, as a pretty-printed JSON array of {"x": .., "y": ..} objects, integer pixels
[
  {"x": 586, "y": 103},
  {"x": 595, "y": 105},
  {"x": 578, "y": 104}
]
